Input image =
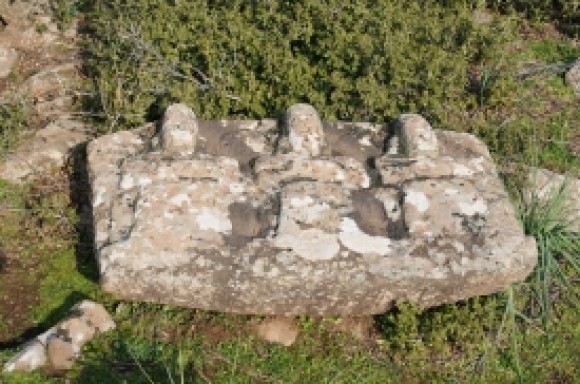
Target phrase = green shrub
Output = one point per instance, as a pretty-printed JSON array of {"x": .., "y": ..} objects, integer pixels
[
  {"x": 564, "y": 13},
  {"x": 353, "y": 60},
  {"x": 15, "y": 114},
  {"x": 65, "y": 11}
]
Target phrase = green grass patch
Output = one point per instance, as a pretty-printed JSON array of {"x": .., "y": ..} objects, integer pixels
[
  {"x": 553, "y": 51},
  {"x": 63, "y": 287},
  {"x": 15, "y": 115}
]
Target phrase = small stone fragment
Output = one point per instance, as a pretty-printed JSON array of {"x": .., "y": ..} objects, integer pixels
[
  {"x": 60, "y": 345},
  {"x": 305, "y": 129},
  {"x": 278, "y": 330}
]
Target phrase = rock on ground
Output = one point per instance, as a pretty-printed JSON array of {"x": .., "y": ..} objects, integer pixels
[
  {"x": 48, "y": 149},
  {"x": 321, "y": 221},
  {"x": 278, "y": 330},
  {"x": 60, "y": 346}
]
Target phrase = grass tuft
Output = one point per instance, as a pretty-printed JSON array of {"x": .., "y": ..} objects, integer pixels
[{"x": 550, "y": 220}]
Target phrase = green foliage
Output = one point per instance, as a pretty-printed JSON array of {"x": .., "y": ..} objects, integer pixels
[
  {"x": 65, "y": 11},
  {"x": 353, "y": 60},
  {"x": 565, "y": 13},
  {"x": 551, "y": 51},
  {"x": 15, "y": 113},
  {"x": 550, "y": 220}
]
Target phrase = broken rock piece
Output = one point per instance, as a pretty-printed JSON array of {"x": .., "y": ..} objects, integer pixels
[
  {"x": 316, "y": 223},
  {"x": 58, "y": 348}
]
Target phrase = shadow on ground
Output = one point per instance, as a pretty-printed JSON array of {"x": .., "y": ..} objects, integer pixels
[{"x": 52, "y": 319}]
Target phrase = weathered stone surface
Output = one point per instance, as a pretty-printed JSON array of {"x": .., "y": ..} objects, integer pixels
[
  {"x": 179, "y": 130},
  {"x": 48, "y": 149},
  {"x": 573, "y": 77},
  {"x": 96, "y": 316},
  {"x": 278, "y": 330},
  {"x": 319, "y": 224},
  {"x": 8, "y": 58},
  {"x": 52, "y": 88},
  {"x": 305, "y": 131},
  {"x": 60, "y": 346},
  {"x": 61, "y": 353},
  {"x": 23, "y": 11}
]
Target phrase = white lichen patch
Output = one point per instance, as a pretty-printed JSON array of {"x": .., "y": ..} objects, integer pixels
[
  {"x": 256, "y": 144},
  {"x": 99, "y": 196},
  {"x": 451, "y": 192},
  {"x": 181, "y": 137},
  {"x": 353, "y": 238},
  {"x": 301, "y": 202},
  {"x": 461, "y": 170},
  {"x": 418, "y": 199},
  {"x": 127, "y": 182},
  {"x": 144, "y": 181},
  {"x": 477, "y": 207},
  {"x": 365, "y": 141},
  {"x": 478, "y": 163},
  {"x": 314, "y": 141},
  {"x": 180, "y": 199},
  {"x": 237, "y": 188},
  {"x": 310, "y": 244},
  {"x": 295, "y": 141},
  {"x": 305, "y": 210},
  {"x": 213, "y": 220}
]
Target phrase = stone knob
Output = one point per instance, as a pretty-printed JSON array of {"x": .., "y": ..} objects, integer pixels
[
  {"x": 304, "y": 129},
  {"x": 416, "y": 137},
  {"x": 179, "y": 130}
]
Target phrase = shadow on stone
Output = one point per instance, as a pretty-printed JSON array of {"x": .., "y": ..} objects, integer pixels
[
  {"x": 80, "y": 192},
  {"x": 2, "y": 260}
]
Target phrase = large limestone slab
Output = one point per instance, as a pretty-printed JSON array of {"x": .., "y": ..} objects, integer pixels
[{"x": 325, "y": 219}]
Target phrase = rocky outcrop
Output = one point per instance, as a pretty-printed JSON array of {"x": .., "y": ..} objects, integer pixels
[
  {"x": 59, "y": 347},
  {"x": 326, "y": 219},
  {"x": 48, "y": 149},
  {"x": 52, "y": 90},
  {"x": 8, "y": 59}
]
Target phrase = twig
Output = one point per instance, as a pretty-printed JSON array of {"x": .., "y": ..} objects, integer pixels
[
  {"x": 200, "y": 78},
  {"x": 553, "y": 69}
]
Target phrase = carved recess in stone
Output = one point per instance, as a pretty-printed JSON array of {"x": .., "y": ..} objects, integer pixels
[{"x": 325, "y": 219}]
